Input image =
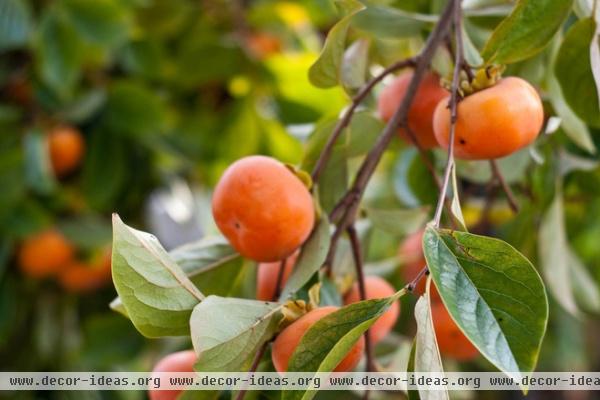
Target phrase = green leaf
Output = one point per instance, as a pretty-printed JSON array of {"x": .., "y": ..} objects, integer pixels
[
  {"x": 427, "y": 355},
  {"x": 571, "y": 124},
  {"x": 493, "y": 293},
  {"x": 38, "y": 169},
  {"x": 412, "y": 394},
  {"x": 390, "y": 23},
  {"x": 325, "y": 72},
  {"x": 211, "y": 264},
  {"x": 15, "y": 23},
  {"x": 327, "y": 342},
  {"x": 554, "y": 255},
  {"x": 512, "y": 167},
  {"x": 134, "y": 109},
  {"x": 99, "y": 21},
  {"x": 226, "y": 332},
  {"x": 311, "y": 258},
  {"x": 399, "y": 222},
  {"x": 155, "y": 292},
  {"x": 413, "y": 184},
  {"x": 526, "y": 31},
  {"x": 58, "y": 53},
  {"x": 362, "y": 133},
  {"x": 355, "y": 64},
  {"x": 585, "y": 287},
  {"x": 575, "y": 78},
  {"x": 103, "y": 182},
  {"x": 89, "y": 231}
]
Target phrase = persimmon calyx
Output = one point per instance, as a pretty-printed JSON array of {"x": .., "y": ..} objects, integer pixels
[{"x": 483, "y": 78}]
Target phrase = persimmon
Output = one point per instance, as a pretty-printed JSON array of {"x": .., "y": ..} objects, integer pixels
[
  {"x": 493, "y": 122},
  {"x": 83, "y": 277},
  {"x": 451, "y": 341},
  {"x": 377, "y": 288},
  {"x": 413, "y": 261},
  {"x": 420, "y": 115},
  {"x": 45, "y": 254},
  {"x": 181, "y": 361},
  {"x": 262, "y": 44},
  {"x": 267, "y": 274},
  {"x": 67, "y": 147},
  {"x": 263, "y": 208},
  {"x": 287, "y": 341}
]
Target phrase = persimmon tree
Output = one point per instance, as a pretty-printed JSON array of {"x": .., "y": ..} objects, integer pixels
[{"x": 487, "y": 293}]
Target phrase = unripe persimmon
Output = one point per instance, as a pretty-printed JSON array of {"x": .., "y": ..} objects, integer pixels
[
  {"x": 66, "y": 147},
  {"x": 420, "y": 115},
  {"x": 267, "y": 274},
  {"x": 413, "y": 261},
  {"x": 263, "y": 208},
  {"x": 45, "y": 254},
  {"x": 83, "y": 277},
  {"x": 287, "y": 341},
  {"x": 181, "y": 361},
  {"x": 377, "y": 288},
  {"x": 493, "y": 122},
  {"x": 451, "y": 341}
]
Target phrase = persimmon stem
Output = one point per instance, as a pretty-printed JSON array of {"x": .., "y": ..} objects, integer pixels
[
  {"x": 497, "y": 174},
  {"x": 360, "y": 275},
  {"x": 349, "y": 112}
]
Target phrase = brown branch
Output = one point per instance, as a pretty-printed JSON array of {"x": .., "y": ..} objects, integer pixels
[
  {"x": 347, "y": 207},
  {"x": 279, "y": 281},
  {"x": 347, "y": 117},
  {"x": 512, "y": 201},
  {"x": 360, "y": 275},
  {"x": 259, "y": 354},
  {"x": 261, "y": 351}
]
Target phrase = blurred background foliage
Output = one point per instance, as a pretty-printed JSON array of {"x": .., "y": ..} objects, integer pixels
[{"x": 167, "y": 93}]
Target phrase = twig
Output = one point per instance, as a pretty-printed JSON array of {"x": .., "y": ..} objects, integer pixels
[
  {"x": 259, "y": 354},
  {"x": 261, "y": 351},
  {"x": 412, "y": 284},
  {"x": 347, "y": 117},
  {"x": 279, "y": 281},
  {"x": 454, "y": 99},
  {"x": 358, "y": 263},
  {"x": 512, "y": 202},
  {"x": 351, "y": 200},
  {"x": 453, "y": 104}
]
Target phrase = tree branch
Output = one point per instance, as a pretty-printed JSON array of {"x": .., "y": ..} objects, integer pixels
[
  {"x": 347, "y": 117},
  {"x": 512, "y": 202},
  {"x": 347, "y": 207},
  {"x": 358, "y": 263}
]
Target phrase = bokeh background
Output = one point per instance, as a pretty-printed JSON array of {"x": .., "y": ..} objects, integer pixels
[{"x": 166, "y": 94}]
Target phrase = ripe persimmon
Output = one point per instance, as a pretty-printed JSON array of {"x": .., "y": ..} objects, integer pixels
[
  {"x": 263, "y": 208},
  {"x": 413, "y": 261},
  {"x": 67, "y": 147},
  {"x": 493, "y": 122},
  {"x": 263, "y": 44},
  {"x": 45, "y": 254},
  {"x": 267, "y": 274},
  {"x": 287, "y": 341},
  {"x": 181, "y": 361},
  {"x": 451, "y": 341},
  {"x": 377, "y": 288},
  {"x": 83, "y": 277},
  {"x": 420, "y": 115}
]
